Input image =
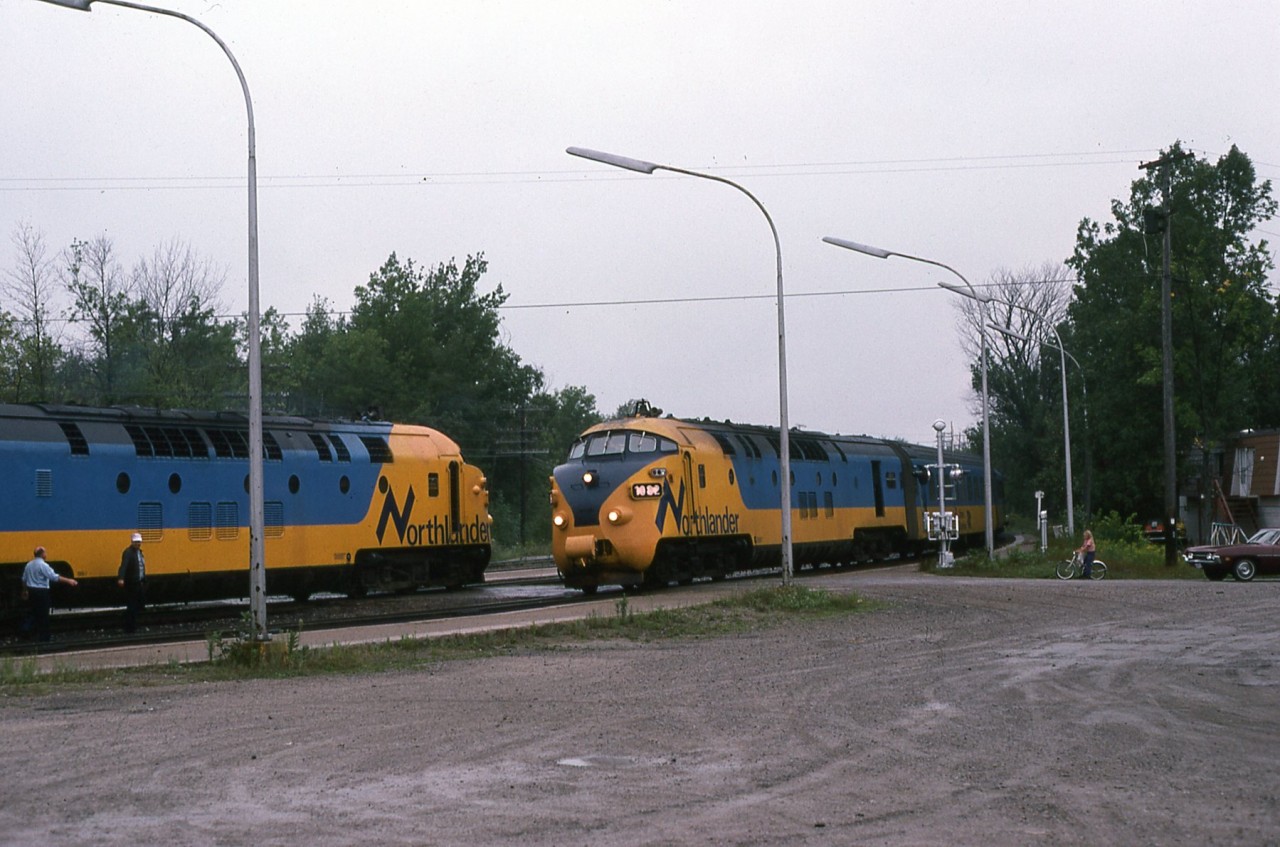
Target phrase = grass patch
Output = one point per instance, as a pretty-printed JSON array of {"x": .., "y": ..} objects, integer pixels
[
  {"x": 1125, "y": 560},
  {"x": 238, "y": 658}
]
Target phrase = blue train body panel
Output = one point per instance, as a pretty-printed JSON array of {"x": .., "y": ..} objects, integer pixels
[{"x": 349, "y": 505}]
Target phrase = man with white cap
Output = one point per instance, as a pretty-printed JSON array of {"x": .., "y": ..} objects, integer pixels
[{"x": 133, "y": 579}]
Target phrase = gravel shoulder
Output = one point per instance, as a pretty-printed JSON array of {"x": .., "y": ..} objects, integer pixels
[{"x": 964, "y": 711}]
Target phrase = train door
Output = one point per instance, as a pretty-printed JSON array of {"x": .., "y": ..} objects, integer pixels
[
  {"x": 691, "y": 483},
  {"x": 455, "y": 498},
  {"x": 877, "y": 487}
]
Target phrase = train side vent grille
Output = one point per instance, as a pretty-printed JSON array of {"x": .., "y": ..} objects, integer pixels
[
  {"x": 79, "y": 446},
  {"x": 151, "y": 521},
  {"x": 273, "y": 519},
  {"x": 200, "y": 521},
  {"x": 340, "y": 447},
  {"x": 322, "y": 447},
  {"x": 44, "y": 483},
  {"x": 141, "y": 444},
  {"x": 227, "y": 523},
  {"x": 379, "y": 452}
]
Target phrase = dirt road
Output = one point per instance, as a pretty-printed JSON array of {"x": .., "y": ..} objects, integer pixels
[{"x": 965, "y": 712}]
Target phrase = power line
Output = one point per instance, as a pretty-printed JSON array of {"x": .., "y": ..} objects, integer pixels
[
  {"x": 402, "y": 179},
  {"x": 648, "y": 301}
]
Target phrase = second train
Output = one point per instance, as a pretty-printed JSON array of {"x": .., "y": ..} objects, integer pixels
[{"x": 652, "y": 500}]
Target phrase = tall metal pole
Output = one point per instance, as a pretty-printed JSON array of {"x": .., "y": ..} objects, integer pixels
[
  {"x": 257, "y": 563},
  {"x": 944, "y": 537},
  {"x": 784, "y": 435},
  {"x": 1166, "y": 360},
  {"x": 881, "y": 253}
]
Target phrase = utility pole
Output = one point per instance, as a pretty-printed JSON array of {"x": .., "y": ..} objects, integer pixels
[{"x": 1166, "y": 344}]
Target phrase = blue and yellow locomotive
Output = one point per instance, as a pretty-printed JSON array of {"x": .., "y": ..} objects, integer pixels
[
  {"x": 349, "y": 506},
  {"x": 649, "y": 500}
]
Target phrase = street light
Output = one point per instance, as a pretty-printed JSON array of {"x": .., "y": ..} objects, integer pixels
[
  {"x": 784, "y": 448},
  {"x": 881, "y": 253},
  {"x": 257, "y": 566},
  {"x": 1066, "y": 416}
]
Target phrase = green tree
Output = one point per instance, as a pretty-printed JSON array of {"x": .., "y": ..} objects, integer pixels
[
  {"x": 1224, "y": 320},
  {"x": 1024, "y": 384},
  {"x": 31, "y": 287},
  {"x": 100, "y": 299}
]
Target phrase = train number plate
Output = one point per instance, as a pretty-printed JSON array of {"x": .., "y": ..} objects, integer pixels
[{"x": 646, "y": 490}]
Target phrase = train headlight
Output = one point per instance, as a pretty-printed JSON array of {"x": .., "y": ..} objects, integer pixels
[
  {"x": 618, "y": 515},
  {"x": 560, "y": 521},
  {"x": 589, "y": 479}
]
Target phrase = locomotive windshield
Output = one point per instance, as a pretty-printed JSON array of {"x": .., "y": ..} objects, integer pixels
[{"x": 600, "y": 444}]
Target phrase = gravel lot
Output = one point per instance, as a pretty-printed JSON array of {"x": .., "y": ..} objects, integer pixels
[{"x": 966, "y": 711}]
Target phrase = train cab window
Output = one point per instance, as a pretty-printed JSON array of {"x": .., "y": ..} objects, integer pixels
[
  {"x": 607, "y": 444},
  {"x": 433, "y": 485},
  {"x": 642, "y": 442},
  {"x": 666, "y": 445}
]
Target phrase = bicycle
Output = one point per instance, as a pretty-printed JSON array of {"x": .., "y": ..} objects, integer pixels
[{"x": 1074, "y": 567}]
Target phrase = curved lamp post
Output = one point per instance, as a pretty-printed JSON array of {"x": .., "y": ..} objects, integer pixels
[
  {"x": 257, "y": 565},
  {"x": 881, "y": 253},
  {"x": 784, "y": 439}
]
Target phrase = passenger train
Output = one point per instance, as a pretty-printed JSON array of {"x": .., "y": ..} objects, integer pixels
[
  {"x": 350, "y": 506},
  {"x": 650, "y": 500}
]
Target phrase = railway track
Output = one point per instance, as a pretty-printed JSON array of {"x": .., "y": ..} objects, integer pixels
[
  {"x": 100, "y": 628},
  {"x": 512, "y": 591}
]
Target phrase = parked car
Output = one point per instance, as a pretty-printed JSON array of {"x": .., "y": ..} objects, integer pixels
[
  {"x": 1259, "y": 555},
  {"x": 1153, "y": 531}
]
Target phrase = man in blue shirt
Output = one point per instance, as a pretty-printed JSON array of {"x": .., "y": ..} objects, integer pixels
[{"x": 37, "y": 576}]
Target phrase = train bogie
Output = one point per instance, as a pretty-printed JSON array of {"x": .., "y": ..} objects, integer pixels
[
  {"x": 349, "y": 506},
  {"x": 653, "y": 500}
]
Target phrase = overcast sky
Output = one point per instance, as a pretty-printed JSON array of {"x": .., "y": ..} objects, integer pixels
[{"x": 977, "y": 134}]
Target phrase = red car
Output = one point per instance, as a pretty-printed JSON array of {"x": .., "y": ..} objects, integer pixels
[{"x": 1260, "y": 554}]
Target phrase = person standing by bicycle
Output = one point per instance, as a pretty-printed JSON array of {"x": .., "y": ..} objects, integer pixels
[{"x": 1089, "y": 550}]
